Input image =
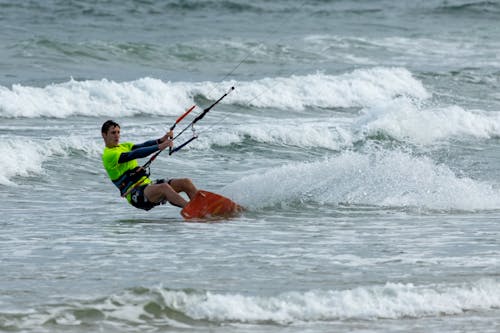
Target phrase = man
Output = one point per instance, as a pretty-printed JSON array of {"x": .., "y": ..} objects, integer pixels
[{"x": 119, "y": 160}]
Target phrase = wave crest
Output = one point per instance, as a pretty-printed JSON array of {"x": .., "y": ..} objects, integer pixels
[
  {"x": 160, "y": 307},
  {"x": 364, "y": 87}
]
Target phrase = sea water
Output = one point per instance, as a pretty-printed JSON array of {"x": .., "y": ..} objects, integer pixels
[{"x": 362, "y": 137}]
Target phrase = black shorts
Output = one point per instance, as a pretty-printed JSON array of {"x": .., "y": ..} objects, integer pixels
[{"x": 138, "y": 200}]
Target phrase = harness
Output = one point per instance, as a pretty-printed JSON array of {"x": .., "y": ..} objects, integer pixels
[{"x": 130, "y": 179}]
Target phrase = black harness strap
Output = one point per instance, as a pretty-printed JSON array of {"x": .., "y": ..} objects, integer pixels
[{"x": 129, "y": 178}]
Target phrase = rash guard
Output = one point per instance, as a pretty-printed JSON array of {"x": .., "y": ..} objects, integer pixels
[{"x": 121, "y": 164}]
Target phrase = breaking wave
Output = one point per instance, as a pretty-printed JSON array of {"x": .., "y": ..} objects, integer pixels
[
  {"x": 366, "y": 87},
  {"x": 147, "y": 308}
]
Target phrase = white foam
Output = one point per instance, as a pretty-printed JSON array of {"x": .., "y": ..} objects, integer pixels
[
  {"x": 330, "y": 134},
  {"x": 405, "y": 121},
  {"x": 372, "y": 302},
  {"x": 25, "y": 157},
  {"x": 401, "y": 119},
  {"x": 18, "y": 158},
  {"x": 94, "y": 98},
  {"x": 392, "y": 300},
  {"x": 364, "y": 87},
  {"x": 381, "y": 178}
]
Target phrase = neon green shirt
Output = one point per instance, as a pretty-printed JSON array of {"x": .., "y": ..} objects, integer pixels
[{"x": 117, "y": 171}]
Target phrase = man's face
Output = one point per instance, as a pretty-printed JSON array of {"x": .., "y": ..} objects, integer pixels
[{"x": 112, "y": 136}]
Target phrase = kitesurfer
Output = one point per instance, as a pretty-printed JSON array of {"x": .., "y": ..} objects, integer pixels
[{"x": 120, "y": 162}]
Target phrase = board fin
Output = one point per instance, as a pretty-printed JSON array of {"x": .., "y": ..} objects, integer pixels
[{"x": 208, "y": 205}]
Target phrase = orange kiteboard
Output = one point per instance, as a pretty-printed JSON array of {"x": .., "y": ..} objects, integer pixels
[{"x": 208, "y": 205}]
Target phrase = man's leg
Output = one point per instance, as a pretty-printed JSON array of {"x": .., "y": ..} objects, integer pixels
[
  {"x": 164, "y": 191},
  {"x": 184, "y": 185},
  {"x": 160, "y": 192}
]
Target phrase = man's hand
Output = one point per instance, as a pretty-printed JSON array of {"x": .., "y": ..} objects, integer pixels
[
  {"x": 165, "y": 143},
  {"x": 168, "y": 135},
  {"x": 166, "y": 140}
]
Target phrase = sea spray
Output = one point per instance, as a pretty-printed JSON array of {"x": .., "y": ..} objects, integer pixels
[{"x": 380, "y": 178}]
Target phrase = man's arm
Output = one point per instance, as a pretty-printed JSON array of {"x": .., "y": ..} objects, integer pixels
[
  {"x": 148, "y": 143},
  {"x": 138, "y": 152},
  {"x": 147, "y": 148}
]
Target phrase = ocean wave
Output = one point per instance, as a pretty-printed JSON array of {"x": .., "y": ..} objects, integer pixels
[
  {"x": 469, "y": 7},
  {"x": 327, "y": 134},
  {"x": 415, "y": 52},
  {"x": 147, "y": 308},
  {"x": 93, "y": 98},
  {"x": 91, "y": 50},
  {"x": 360, "y": 88},
  {"x": 405, "y": 121},
  {"x": 401, "y": 119},
  {"x": 232, "y": 7},
  {"x": 22, "y": 157},
  {"x": 356, "y": 89},
  {"x": 382, "y": 178}
]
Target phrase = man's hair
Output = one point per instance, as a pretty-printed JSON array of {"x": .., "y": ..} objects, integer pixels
[{"x": 107, "y": 125}]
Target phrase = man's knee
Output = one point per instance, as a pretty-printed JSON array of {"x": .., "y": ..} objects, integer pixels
[
  {"x": 189, "y": 185},
  {"x": 182, "y": 182},
  {"x": 187, "y": 181}
]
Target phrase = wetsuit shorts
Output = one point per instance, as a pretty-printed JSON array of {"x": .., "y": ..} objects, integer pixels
[{"x": 139, "y": 200}]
